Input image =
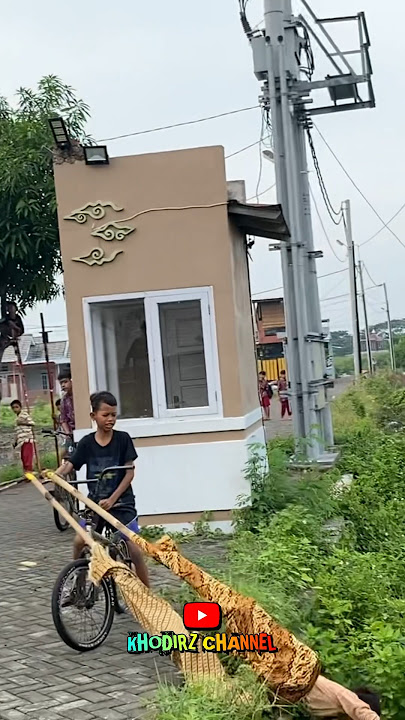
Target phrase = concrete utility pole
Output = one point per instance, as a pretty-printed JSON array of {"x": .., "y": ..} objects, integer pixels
[
  {"x": 353, "y": 289},
  {"x": 367, "y": 329},
  {"x": 286, "y": 90},
  {"x": 391, "y": 339}
]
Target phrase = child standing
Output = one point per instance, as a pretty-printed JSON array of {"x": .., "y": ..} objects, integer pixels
[
  {"x": 282, "y": 387},
  {"x": 100, "y": 450},
  {"x": 24, "y": 439},
  {"x": 265, "y": 394}
]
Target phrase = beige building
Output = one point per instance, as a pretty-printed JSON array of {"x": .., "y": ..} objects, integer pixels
[{"x": 158, "y": 305}]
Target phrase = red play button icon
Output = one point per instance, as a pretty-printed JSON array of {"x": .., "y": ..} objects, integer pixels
[{"x": 202, "y": 616}]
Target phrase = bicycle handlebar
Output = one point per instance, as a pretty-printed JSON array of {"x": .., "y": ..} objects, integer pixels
[
  {"x": 53, "y": 433},
  {"x": 113, "y": 468}
]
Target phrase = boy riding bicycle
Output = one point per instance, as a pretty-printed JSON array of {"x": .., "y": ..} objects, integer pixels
[{"x": 100, "y": 450}]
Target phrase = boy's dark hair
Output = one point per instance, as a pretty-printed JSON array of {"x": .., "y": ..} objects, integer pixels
[
  {"x": 65, "y": 375},
  {"x": 370, "y": 697},
  {"x": 100, "y": 398},
  {"x": 262, "y": 372},
  {"x": 15, "y": 402},
  {"x": 58, "y": 402}
]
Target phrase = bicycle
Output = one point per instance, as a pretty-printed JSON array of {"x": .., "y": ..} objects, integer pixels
[
  {"x": 88, "y": 607},
  {"x": 62, "y": 496}
]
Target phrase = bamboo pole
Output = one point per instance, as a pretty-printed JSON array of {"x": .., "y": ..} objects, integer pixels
[
  {"x": 147, "y": 547},
  {"x": 61, "y": 510},
  {"x": 51, "y": 388}
]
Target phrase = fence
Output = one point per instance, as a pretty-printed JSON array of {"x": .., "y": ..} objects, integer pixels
[{"x": 272, "y": 368}]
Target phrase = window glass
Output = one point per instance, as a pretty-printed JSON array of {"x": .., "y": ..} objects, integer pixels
[{"x": 183, "y": 354}]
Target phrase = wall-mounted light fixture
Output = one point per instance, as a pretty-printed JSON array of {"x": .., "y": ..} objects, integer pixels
[
  {"x": 96, "y": 155},
  {"x": 59, "y": 132}
]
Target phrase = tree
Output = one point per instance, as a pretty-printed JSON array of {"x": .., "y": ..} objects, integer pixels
[
  {"x": 30, "y": 260},
  {"x": 342, "y": 342}
]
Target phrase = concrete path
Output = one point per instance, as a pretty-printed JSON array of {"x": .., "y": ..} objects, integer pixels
[{"x": 40, "y": 677}]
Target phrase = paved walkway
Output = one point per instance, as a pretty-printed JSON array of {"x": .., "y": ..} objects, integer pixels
[
  {"x": 40, "y": 677},
  {"x": 276, "y": 427}
]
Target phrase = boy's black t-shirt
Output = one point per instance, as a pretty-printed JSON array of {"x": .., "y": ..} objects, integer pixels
[{"x": 119, "y": 451}]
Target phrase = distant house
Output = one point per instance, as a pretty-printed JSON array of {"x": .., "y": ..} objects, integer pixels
[
  {"x": 34, "y": 367},
  {"x": 377, "y": 341},
  {"x": 270, "y": 335}
]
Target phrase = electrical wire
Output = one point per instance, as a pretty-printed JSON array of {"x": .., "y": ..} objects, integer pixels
[
  {"x": 260, "y": 157},
  {"x": 180, "y": 124},
  {"x": 247, "y": 147},
  {"x": 331, "y": 210},
  {"x": 371, "y": 206},
  {"x": 281, "y": 286},
  {"x": 262, "y": 192},
  {"x": 334, "y": 287},
  {"x": 384, "y": 226},
  {"x": 323, "y": 227},
  {"x": 371, "y": 279}
]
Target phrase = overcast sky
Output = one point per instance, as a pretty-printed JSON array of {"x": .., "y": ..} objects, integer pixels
[{"x": 139, "y": 65}]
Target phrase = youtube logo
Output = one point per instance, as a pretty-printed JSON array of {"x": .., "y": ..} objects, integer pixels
[{"x": 202, "y": 616}]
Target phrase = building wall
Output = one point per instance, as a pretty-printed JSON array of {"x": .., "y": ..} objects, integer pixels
[
  {"x": 191, "y": 464},
  {"x": 169, "y": 249},
  {"x": 246, "y": 351}
]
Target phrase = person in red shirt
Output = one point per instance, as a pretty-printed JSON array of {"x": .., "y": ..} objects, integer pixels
[
  {"x": 282, "y": 387},
  {"x": 265, "y": 393}
]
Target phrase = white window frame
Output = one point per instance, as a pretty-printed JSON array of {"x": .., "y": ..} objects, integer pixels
[
  {"x": 152, "y": 300},
  {"x": 44, "y": 375}
]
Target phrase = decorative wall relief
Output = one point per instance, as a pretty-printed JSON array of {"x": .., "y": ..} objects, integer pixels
[
  {"x": 113, "y": 231},
  {"x": 97, "y": 257},
  {"x": 109, "y": 232},
  {"x": 95, "y": 210}
]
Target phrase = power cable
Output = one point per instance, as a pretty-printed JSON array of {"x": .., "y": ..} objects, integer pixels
[
  {"x": 247, "y": 147},
  {"x": 384, "y": 226},
  {"x": 371, "y": 206},
  {"x": 336, "y": 272},
  {"x": 262, "y": 192},
  {"x": 323, "y": 227},
  {"x": 260, "y": 158},
  {"x": 331, "y": 210},
  {"x": 371, "y": 279},
  {"x": 180, "y": 124},
  {"x": 334, "y": 287}
]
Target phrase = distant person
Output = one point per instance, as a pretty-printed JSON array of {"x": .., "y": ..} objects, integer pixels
[
  {"x": 282, "y": 387},
  {"x": 11, "y": 325},
  {"x": 265, "y": 394},
  {"x": 67, "y": 413},
  {"x": 56, "y": 416},
  {"x": 24, "y": 438}
]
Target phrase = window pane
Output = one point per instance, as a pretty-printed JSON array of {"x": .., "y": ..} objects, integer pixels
[
  {"x": 183, "y": 354},
  {"x": 121, "y": 355},
  {"x": 44, "y": 381}
]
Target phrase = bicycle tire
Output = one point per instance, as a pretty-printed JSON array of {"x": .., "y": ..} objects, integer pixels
[
  {"x": 124, "y": 557},
  {"x": 69, "y": 503},
  {"x": 61, "y": 523},
  {"x": 105, "y": 587}
]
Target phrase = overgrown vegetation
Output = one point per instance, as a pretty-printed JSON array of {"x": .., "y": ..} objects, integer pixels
[
  {"x": 8, "y": 473},
  {"x": 344, "y": 595},
  {"x": 40, "y": 413}
]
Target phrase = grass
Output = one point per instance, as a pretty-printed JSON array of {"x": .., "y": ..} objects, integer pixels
[
  {"x": 8, "y": 473},
  {"x": 342, "y": 596},
  {"x": 40, "y": 413}
]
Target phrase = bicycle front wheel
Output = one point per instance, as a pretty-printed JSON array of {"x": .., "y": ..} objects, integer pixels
[{"x": 82, "y": 613}]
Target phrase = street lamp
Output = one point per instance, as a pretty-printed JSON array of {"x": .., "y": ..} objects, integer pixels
[
  {"x": 96, "y": 155},
  {"x": 269, "y": 155},
  {"x": 59, "y": 132}
]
